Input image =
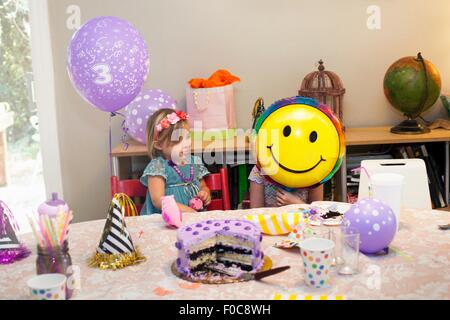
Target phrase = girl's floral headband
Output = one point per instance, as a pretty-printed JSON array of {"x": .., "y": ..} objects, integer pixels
[{"x": 171, "y": 119}]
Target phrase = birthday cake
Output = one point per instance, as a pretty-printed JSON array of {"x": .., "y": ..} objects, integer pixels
[{"x": 230, "y": 243}]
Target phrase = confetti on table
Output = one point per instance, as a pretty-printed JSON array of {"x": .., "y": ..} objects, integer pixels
[
  {"x": 162, "y": 292},
  {"x": 189, "y": 286}
]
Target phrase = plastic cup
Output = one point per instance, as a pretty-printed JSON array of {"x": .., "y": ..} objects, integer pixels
[
  {"x": 50, "y": 286},
  {"x": 349, "y": 251},
  {"x": 317, "y": 255},
  {"x": 388, "y": 187}
]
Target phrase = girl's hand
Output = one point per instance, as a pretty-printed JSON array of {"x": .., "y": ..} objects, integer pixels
[
  {"x": 205, "y": 196},
  {"x": 285, "y": 198}
]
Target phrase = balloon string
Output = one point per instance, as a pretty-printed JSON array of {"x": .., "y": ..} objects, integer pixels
[
  {"x": 110, "y": 145},
  {"x": 125, "y": 136}
]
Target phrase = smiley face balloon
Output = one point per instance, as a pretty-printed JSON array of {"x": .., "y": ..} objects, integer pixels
[{"x": 299, "y": 143}]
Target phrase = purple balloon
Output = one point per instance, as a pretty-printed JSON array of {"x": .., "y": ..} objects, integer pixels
[
  {"x": 108, "y": 62},
  {"x": 142, "y": 108},
  {"x": 375, "y": 221}
]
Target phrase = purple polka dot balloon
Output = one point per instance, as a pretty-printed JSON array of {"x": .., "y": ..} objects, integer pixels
[
  {"x": 142, "y": 108},
  {"x": 375, "y": 221},
  {"x": 108, "y": 62}
]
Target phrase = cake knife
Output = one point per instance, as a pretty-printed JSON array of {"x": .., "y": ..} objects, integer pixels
[
  {"x": 262, "y": 274},
  {"x": 247, "y": 276}
]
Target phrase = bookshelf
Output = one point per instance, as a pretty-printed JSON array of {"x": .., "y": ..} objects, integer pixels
[{"x": 367, "y": 136}]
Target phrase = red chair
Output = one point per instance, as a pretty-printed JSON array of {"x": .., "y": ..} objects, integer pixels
[
  {"x": 132, "y": 188},
  {"x": 216, "y": 182}
]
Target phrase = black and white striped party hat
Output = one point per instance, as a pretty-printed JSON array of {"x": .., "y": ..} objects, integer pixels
[
  {"x": 116, "y": 249},
  {"x": 115, "y": 238}
]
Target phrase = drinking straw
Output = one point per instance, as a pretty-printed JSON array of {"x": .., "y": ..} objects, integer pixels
[
  {"x": 369, "y": 185},
  {"x": 44, "y": 232},
  {"x": 36, "y": 234},
  {"x": 64, "y": 229},
  {"x": 55, "y": 229},
  {"x": 51, "y": 232}
]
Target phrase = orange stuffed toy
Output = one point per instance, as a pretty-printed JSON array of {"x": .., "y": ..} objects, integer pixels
[{"x": 217, "y": 79}]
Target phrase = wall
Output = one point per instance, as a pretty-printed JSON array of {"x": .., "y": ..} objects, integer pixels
[{"x": 271, "y": 45}]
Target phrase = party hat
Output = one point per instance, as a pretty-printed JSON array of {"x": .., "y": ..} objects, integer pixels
[
  {"x": 116, "y": 249},
  {"x": 11, "y": 249}
]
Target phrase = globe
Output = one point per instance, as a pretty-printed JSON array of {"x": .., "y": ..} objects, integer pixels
[{"x": 412, "y": 85}]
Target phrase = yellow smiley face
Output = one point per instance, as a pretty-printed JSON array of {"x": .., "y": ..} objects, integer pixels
[{"x": 299, "y": 145}]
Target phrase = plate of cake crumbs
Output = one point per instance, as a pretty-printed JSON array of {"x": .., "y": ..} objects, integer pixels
[{"x": 330, "y": 213}]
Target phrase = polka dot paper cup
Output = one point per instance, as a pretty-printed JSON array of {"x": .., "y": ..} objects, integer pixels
[
  {"x": 50, "y": 286},
  {"x": 317, "y": 257}
]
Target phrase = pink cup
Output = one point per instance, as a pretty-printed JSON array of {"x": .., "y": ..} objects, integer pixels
[{"x": 170, "y": 211}]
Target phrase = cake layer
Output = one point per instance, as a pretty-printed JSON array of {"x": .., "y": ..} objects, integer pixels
[
  {"x": 230, "y": 241},
  {"x": 219, "y": 249}
]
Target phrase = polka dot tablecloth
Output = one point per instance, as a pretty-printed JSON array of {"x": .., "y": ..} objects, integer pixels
[{"x": 416, "y": 267}]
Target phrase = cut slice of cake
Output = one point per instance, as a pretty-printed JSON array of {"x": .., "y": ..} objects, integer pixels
[{"x": 232, "y": 243}]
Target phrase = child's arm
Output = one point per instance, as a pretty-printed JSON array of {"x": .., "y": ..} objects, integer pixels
[
  {"x": 157, "y": 185},
  {"x": 256, "y": 195},
  {"x": 316, "y": 194},
  {"x": 204, "y": 194},
  {"x": 285, "y": 198}
]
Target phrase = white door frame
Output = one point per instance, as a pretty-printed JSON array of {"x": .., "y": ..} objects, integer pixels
[{"x": 44, "y": 90}]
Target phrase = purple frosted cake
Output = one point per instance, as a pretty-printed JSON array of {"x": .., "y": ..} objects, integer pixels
[{"x": 232, "y": 243}]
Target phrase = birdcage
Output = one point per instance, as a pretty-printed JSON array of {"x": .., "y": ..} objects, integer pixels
[{"x": 326, "y": 87}]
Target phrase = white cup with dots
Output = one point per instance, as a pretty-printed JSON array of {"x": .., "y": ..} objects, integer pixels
[
  {"x": 317, "y": 254},
  {"x": 50, "y": 286}
]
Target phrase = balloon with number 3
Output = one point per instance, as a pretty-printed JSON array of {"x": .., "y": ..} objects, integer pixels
[{"x": 108, "y": 62}]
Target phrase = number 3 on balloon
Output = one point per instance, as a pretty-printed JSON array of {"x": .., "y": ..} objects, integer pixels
[{"x": 103, "y": 74}]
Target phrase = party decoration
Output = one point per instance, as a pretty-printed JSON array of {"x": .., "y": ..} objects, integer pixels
[
  {"x": 375, "y": 221},
  {"x": 170, "y": 212},
  {"x": 11, "y": 249},
  {"x": 298, "y": 234},
  {"x": 141, "y": 108},
  {"x": 53, "y": 206},
  {"x": 196, "y": 204},
  {"x": 116, "y": 249},
  {"x": 412, "y": 85},
  {"x": 324, "y": 86},
  {"x": 298, "y": 143},
  {"x": 108, "y": 62},
  {"x": 276, "y": 224},
  {"x": 219, "y": 78}
]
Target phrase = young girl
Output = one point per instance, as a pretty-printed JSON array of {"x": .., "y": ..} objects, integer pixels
[
  {"x": 264, "y": 193},
  {"x": 172, "y": 169}
]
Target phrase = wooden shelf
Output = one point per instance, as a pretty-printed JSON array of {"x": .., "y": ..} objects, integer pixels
[
  {"x": 237, "y": 144},
  {"x": 353, "y": 137},
  {"x": 382, "y": 135}
]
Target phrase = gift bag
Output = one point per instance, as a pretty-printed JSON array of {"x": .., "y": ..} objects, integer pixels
[{"x": 213, "y": 107}]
